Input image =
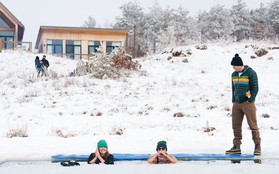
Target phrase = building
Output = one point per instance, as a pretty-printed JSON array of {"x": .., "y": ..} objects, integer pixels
[
  {"x": 11, "y": 29},
  {"x": 77, "y": 42}
]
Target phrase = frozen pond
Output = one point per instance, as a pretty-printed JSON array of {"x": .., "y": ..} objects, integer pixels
[{"x": 134, "y": 167}]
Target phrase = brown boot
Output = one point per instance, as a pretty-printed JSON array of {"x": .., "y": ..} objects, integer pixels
[
  {"x": 234, "y": 150},
  {"x": 257, "y": 150}
]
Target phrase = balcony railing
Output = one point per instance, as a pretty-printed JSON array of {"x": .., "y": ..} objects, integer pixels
[{"x": 5, "y": 45}]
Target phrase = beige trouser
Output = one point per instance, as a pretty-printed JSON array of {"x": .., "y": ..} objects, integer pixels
[{"x": 238, "y": 112}]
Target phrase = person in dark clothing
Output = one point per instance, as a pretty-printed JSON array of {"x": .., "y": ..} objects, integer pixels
[
  {"x": 101, "y": 155},
  {"x": 38, "y": 65},
  {"x": 162, "y": 157},
  {"x": 244, "y": 91},
  {"x": 45, "y": 61},
  {"x": 45, "y": 66}
]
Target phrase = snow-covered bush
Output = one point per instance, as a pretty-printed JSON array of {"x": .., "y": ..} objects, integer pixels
[
  {"x": 18, "y": 132},
  {"x": 64, "y": 133},
  {"x": 117, "y": 131},
  {"x": 103, "y": 66},
  {"x": 201, "y": 47}
]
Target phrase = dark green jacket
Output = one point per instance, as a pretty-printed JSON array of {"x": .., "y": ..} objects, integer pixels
[{"x": 248, "y": 81}]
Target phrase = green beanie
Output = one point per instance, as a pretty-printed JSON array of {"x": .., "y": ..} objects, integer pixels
[
  {"x": 102, "y": 143},
  {"x": 161, "y": 144}
]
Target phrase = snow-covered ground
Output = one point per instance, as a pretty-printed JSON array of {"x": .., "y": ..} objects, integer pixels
[
  {"x": 193, "y": 167},
  {"x": 139, "y": 107}
]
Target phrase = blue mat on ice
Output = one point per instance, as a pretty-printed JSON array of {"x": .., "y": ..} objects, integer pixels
[{"x": 127, "y": 156}]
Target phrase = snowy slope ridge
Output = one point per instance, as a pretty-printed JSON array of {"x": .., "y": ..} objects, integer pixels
[{"x": 63, "y": 114}]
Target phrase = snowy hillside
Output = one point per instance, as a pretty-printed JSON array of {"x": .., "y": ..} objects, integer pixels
[{"x": 63, "y": 114}]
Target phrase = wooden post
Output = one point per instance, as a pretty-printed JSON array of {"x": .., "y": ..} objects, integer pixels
[{"x": 1, "y": 45}]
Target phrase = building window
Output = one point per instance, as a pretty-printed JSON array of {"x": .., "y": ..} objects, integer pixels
[
  {"x": 8, "y": 42},
  {"x": 55, "y": 47},
  {"x": 112, "y": 47},
  {"x": 3, "y": 23},
  {"x": 73, "y": 49},
  {"x": 94, "y": 47},
  {"x": 8, "y": 38}
]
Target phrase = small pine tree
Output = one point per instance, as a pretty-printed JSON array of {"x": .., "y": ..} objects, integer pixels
[{"x": 89, "y": 23}]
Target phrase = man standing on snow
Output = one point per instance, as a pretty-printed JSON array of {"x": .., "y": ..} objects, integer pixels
[
  {"x": 38, "y": 65},
  {"x": 244, "y": 92},
  {"x": 45, "y": 64}
]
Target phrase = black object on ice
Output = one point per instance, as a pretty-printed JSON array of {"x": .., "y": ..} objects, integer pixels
[{"x": 69, "y": 163}]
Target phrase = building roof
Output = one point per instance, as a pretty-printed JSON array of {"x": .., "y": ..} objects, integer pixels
[
  {"x": 79, "y": 28},
  {"x": 10, "y": 16}
]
